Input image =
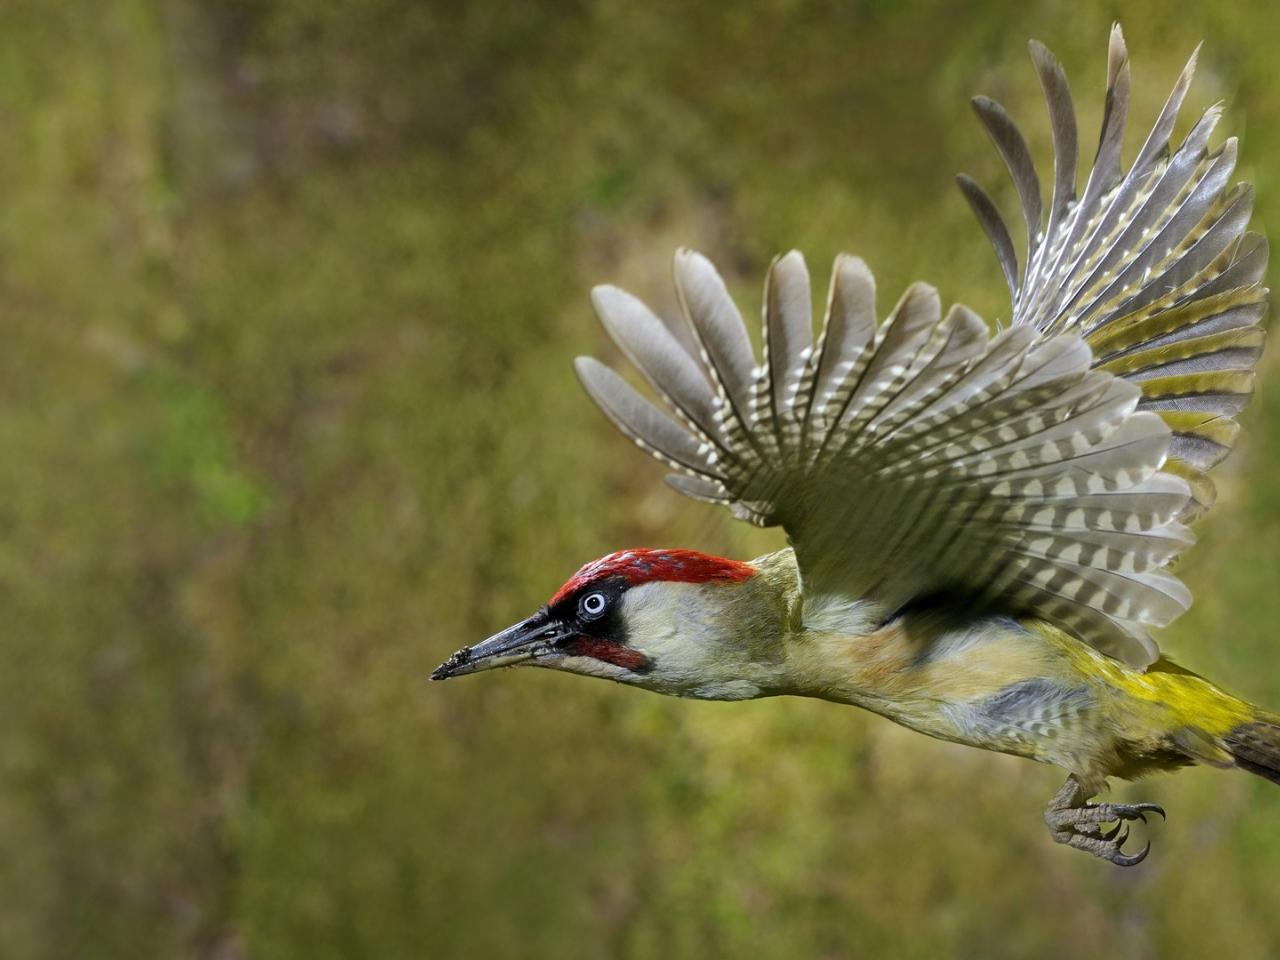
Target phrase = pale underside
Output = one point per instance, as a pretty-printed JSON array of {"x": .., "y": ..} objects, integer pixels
[{"x": 1043, "y": 470}]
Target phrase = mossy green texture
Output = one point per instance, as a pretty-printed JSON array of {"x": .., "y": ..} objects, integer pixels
[{"x": 289, "y": 293}]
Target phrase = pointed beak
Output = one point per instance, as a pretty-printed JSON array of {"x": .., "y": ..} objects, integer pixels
[{"x": 533, "y": 639}]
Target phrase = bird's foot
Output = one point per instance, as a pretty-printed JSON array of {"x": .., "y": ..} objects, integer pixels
[{"x": 1076, "y": 822}]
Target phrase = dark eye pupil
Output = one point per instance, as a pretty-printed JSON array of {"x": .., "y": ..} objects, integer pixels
[{"x": 593, "y": 604}]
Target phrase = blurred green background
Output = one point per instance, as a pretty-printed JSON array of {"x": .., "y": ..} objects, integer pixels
[{"x": 289, "y": 291}]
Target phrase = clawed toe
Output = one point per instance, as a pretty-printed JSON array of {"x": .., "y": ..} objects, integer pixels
[
  {"x": 1151, "y": 808},
  {"x": 1131, "y": 860},
  {"x": 1079, "y": 824},
  {"x": 1108, "y": 845}
]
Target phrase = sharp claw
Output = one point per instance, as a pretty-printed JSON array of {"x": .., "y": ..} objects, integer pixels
[
  {"x": 1111, "y": 834},
  {"x": 1122, "y": 838},
  {"x": 1132, "y": 860}
]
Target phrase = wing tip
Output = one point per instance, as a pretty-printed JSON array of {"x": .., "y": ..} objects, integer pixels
[
  {"x": 607, "y": 298},
  {"x": 589, "y": 371}
]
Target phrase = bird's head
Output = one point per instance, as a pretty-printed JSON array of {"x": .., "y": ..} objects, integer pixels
[{"x": 672, "y": 621}]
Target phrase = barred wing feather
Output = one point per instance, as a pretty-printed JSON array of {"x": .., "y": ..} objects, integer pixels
[
  {"x": 1044, "y": 470},
  {"x": 1152, "y": 266},
  {"x": 917, "y": 457}
]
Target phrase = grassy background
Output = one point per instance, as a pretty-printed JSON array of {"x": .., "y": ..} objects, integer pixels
[{"x": 289, "y": 290}]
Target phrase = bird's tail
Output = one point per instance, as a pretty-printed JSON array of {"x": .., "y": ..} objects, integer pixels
[
  {"x": 1205, "y": 724},
  {"x": 1255, "y": 746}
]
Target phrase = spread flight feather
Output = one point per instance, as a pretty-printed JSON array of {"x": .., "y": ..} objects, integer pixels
[{"x": 1043, "y": 470}]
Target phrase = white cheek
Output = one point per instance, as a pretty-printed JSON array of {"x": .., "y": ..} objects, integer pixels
[
  {"x": 693, "y": 635},
  {"x": 653, "y": 622},
  {"x": 675, "y": 626}
]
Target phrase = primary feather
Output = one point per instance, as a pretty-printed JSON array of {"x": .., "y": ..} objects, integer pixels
[{"x": 1153, "y": 266}]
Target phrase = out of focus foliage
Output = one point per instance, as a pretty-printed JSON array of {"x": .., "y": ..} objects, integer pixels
[{"x": 288, "y": 292}]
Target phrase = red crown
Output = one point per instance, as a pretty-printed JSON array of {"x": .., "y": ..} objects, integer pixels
[{"x": 643, "y": 566}]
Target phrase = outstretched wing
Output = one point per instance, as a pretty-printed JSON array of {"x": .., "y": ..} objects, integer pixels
[
  {"x": 1152, "y": 267},
  {"x": 919, "y": 457}
]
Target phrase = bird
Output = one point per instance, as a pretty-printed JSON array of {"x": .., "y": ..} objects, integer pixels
[{"x": 981, "y": 522}]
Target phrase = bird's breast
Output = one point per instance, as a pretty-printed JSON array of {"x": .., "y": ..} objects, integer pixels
[{"x": 989, "y": 682}]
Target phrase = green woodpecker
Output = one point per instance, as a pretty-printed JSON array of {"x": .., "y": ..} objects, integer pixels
[{"x": 980, "y": 525}]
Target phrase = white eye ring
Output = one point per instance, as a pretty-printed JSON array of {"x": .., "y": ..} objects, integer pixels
[{"x": 593, "y": 605}]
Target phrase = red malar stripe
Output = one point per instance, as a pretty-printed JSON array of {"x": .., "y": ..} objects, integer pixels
[{"x": 616, "y": 653}]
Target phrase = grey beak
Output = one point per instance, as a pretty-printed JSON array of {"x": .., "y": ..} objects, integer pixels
[{"x": 529, "y": 640}]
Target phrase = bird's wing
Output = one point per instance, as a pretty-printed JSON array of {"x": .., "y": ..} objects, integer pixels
[
  {"x": 911, "y": 459},
  {"x": 1152, "y": 266},
  {"x": 1044, "y": 470}
]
